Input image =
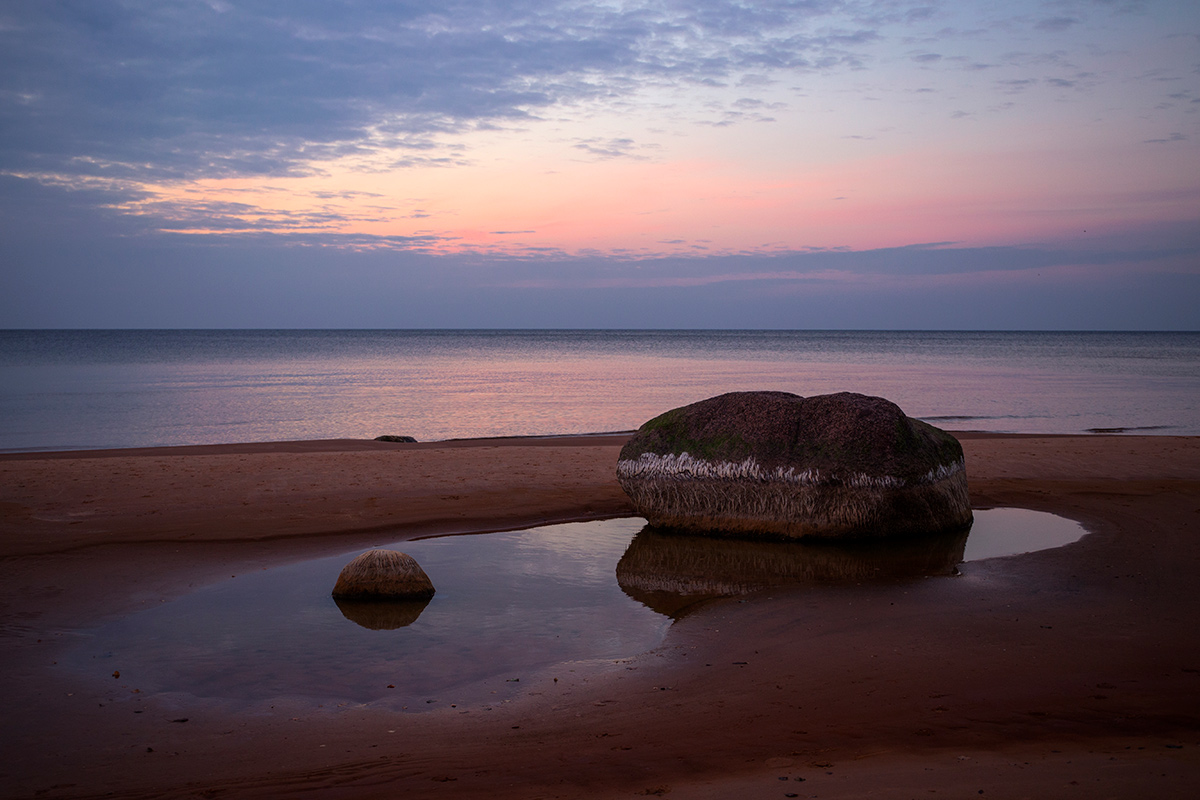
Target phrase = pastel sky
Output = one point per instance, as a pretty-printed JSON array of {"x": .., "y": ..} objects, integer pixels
[{"x": 547, "y": 163}]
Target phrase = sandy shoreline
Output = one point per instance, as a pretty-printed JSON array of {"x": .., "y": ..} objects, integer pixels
[{"x": 1068, "y": 673}]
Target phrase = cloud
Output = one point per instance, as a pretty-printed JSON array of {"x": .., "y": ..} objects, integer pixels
[
  {"x": 115, "y": 105},
  {"x": 609, "y": 148},
  {"x": 1016, "y": 85},
  {"x": 97, "y": 217},
  {"x": 1174, "y": 137},
  {"x": 1056, "y": 24},
  {"x": 85, "y": 264},
  {"x": 169, "y": 89},
  {"x": 843, "y": 266}
]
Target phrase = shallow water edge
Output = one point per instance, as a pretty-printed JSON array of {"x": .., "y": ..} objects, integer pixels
[{"x": 508, "y": 604}]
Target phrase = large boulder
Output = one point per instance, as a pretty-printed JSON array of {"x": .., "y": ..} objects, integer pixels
[
  {"x": 777, "y": 465},
  {"x": 383, "y": 575}
]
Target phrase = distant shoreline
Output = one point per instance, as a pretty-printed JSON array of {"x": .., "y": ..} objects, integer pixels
[
  {"x": 325, "y": 446},
  {"x": 532, "y": 440}
]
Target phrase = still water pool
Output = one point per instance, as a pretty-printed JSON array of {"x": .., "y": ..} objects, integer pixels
[{"x": 506, "y": 604}]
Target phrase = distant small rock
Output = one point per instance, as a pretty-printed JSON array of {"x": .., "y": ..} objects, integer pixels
[
  {"x": 391, "y": 438},
  {"x": 383, "y": 575},
  {"x": 777, "y": 465}
]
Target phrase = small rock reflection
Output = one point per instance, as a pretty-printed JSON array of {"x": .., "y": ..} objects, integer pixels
[
  {"x": 669, "y": 571},
  {"x": 381, "y": 615}
]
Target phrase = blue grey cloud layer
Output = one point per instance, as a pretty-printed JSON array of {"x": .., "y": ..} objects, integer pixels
[{"x": 162, "y": 88}]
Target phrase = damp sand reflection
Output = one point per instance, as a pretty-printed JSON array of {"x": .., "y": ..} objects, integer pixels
[
  {"x": 381, "y": 615},
  {"x": 674, "y": 572},
  {"x": 662, "y": 569},
  {"x": 506, "y": 604}
]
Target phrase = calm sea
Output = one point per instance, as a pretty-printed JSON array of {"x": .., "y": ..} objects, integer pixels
[{"x": 101, "y": 389}]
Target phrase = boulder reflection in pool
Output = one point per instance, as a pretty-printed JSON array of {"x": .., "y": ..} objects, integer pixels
[
  {"x": 381, "y": 615},
  {"x": 661, "y": 568}
]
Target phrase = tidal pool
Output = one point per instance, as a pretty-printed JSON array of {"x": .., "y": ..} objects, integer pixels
[
  {"x": 507, "y": 604},
  {"x": 1011, "y": 531}
]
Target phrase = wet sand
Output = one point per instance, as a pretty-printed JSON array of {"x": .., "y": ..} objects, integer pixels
[{"x": 1072, "y": 672}]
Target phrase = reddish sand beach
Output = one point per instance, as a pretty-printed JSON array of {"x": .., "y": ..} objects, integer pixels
[{"x": 1072, "y": 672}]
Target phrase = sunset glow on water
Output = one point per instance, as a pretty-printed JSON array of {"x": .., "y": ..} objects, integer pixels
[{"x": 139, "y": 388}]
